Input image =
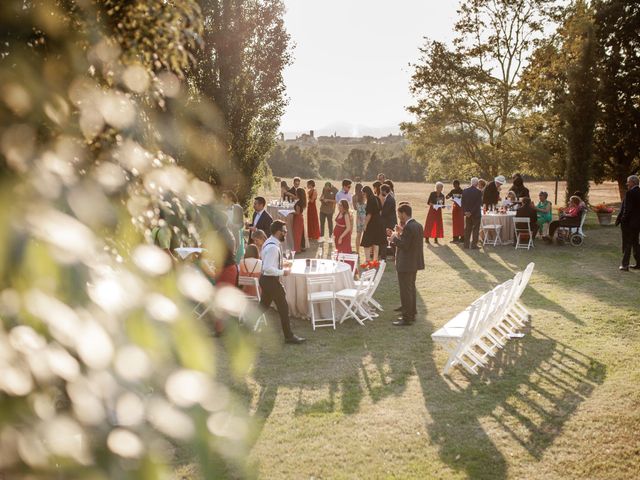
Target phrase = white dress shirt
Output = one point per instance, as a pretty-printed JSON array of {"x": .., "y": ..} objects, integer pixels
[
  {"x": 258, "y": 215},
  {"x": 342, "y": 195},
  {"x": 272, "y": 258}
]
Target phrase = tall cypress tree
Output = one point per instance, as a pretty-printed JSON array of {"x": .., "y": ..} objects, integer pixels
[{"x": 580, "y": 109}]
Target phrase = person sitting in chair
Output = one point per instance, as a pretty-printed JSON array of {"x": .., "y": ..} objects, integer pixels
[
  {"x": 527, "y": 210},
  {"x": 571, "y": 217}
]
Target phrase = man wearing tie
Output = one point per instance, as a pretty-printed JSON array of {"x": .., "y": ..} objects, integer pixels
[
  {"x": 272, "y": 269},
  {"x": 629, "y": 221},
  {"x": 472, "y": 208},
  {"x": 409, "y": 259},
  {"x": 261, "y": 218}
]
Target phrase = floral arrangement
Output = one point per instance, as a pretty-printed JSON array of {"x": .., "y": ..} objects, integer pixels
[
  {"x": 370, "y": 265},
  {"x": 602, "y": 208}
]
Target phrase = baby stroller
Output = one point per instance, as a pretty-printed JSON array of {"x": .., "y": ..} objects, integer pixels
[{"x": 573, "y": 235}]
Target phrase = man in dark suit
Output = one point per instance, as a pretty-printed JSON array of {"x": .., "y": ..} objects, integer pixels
[
  {"x": 409, "y": 259},
  {"x": 472, "y": 208},
  {"x": 629, "y": 221},
  {"x": 261, "y": 219},
  {"x": 491, "y": 194},
  {"x": 388, "y": 216}
]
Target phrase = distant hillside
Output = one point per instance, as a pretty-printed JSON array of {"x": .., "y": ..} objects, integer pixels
[{"x": 312, "y": 156}]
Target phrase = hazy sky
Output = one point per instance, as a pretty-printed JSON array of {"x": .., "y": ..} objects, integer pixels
[{"x": 351, "y": 58}]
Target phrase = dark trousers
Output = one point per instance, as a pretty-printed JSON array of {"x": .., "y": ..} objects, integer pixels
[
  {"x": 408, "y": 294},
  {"x": 563, "y": 222},
  {"x": 326, "y": 217},
  {"x": 471, "y": 230},
  {"x": 630, "y": 242},
  {"x": 273, "y": 291}
]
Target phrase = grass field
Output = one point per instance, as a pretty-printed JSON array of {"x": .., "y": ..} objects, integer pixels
[{"x": 370, "y": 402}]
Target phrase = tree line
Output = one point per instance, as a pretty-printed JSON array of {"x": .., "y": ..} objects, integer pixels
[
  {"x": 542, "y": 87},
  {"x": 333, "y": 163}
]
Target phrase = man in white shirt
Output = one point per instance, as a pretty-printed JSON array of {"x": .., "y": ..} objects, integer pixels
[
  {"x": 344, "y": 193},
  {"x": 272, "y": 269}
]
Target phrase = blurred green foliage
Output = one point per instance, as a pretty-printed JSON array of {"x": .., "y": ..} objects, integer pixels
[{"x": 105, "y": 368}]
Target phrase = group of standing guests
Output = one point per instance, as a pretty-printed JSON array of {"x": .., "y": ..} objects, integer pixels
[
  {"x": 469, "y": 204},
  {"x": 368, "y": 212}
]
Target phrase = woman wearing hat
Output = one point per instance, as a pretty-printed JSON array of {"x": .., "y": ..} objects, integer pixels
[{"x": 491, "y": 194}]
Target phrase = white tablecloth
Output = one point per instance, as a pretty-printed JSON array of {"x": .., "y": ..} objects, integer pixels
[
  {"x": 507, "y": 233},
  {"x": 295, "y": 285}
]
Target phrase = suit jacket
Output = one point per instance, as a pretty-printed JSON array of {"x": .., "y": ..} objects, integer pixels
[
  {"x": 409, "y": 253},
  {"x": 491, "y": 196},
  {"x": 472, "y": 201},
  {"x": 629, "y": 215},
  {"x": 264, "y": 223},
  {"x": 388, "y": 213},
  {"x": 530, "y": 212}
]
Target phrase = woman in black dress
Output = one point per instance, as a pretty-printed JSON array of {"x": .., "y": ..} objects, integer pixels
[{"x": 374, "y": 234}]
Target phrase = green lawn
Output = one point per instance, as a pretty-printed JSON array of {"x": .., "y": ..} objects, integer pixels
[{"x": 371, "y": 402}]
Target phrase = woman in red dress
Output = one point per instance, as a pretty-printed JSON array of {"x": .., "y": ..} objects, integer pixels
[
  {"x": 298, "y": 221},
  {"x": 457, "y": 214},
  {"x": 313, "y": 223},
  {"x": 343, "y": 228},
  {"x": 433, "y": 227}
]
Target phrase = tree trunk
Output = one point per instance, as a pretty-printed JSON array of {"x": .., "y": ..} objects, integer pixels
[{"x": 622, "y": 186}]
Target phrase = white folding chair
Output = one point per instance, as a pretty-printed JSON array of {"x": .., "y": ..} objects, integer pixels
[
  {"x": 518, "y": 311},
  {"x": 524, "y": 235},
  {"x": 495, "y": 233},
  {"x": 462, "y": 337},
  {"x": 373, "y": 287},
  {"x": 321, "y": 290},
  {"x": 353, "y": 299},
  {"x": 246, "y": 281},
  {"x": 349, "y": 257}
]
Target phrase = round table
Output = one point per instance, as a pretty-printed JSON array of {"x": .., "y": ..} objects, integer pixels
[
  {"x": 295, "y": 284},
  {"x": 507, "y": 233}
]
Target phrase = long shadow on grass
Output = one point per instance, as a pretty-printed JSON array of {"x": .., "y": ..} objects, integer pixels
[
  {"x": 530, "y": 390},
  {"x": 488, "y": 263}
]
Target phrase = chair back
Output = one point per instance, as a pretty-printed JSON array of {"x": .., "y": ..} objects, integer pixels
[
  {"x": 349, "y": 258},
  {"x": 366, "y": 281},
  {"x": 522, "y": 225},
  {"x": 320, "y": 283},
  {"x": 245, "y": 281}
]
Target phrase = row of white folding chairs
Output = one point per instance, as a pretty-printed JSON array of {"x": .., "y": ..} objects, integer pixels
[
  {"x": 477, "y": 333},
  {"x": 321, "y": 290}
]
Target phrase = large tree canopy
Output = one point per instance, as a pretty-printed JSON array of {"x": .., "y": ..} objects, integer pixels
[
  {"x": 618, "y": 130},
  {"x": 467, "y": 98},
  {"x": 240, "y": 69}
]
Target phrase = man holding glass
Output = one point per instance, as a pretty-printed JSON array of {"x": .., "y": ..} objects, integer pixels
[{"x": 273, "y": 268}]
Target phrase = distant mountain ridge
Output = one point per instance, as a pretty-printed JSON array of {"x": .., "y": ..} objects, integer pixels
[{"x": 345, "y": 129}]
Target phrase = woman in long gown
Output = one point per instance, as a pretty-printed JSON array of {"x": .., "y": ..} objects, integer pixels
[
  {"x": 313, "y": 222},
  {"x": 433, "y": 227},
  {"x": 457, "y": 214},
  {"x": 298, "y": 221},
  {"x": 374, "y": 234},
  {"x": 343, "y": 228}
]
